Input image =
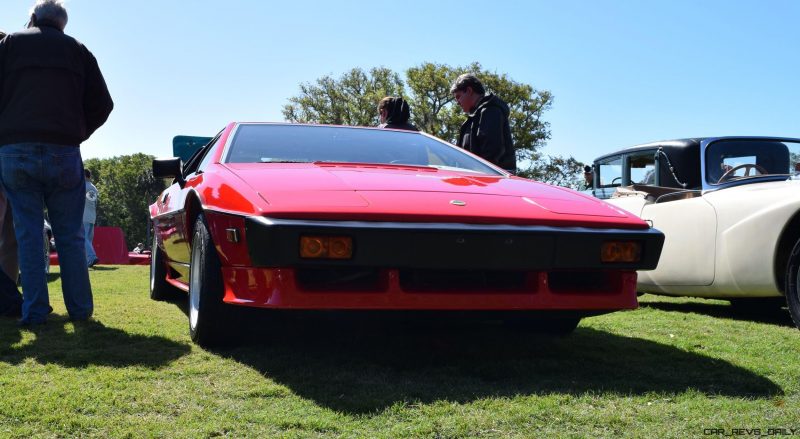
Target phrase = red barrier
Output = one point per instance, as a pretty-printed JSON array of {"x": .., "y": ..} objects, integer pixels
[{"x": 111, "y": 248}]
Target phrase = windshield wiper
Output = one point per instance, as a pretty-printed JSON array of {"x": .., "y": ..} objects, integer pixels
[{"x": 269, "y": 160}]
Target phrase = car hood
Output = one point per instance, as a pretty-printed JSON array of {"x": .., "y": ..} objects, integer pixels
[{"x": 400, "y": 193}]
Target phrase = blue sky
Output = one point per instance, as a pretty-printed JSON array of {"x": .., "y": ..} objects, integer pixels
[{"x": 622, "y": 72}]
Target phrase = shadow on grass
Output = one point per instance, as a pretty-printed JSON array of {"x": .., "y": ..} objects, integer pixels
[
  {"x": 777, "y": 317},
  {"x": 363, "y": 368},
  {"x": 103, "y": 268},
  {"x": 82, "y": 344}
]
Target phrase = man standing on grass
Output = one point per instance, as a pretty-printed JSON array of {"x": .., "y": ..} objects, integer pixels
[{"x": 52, "y": 98}]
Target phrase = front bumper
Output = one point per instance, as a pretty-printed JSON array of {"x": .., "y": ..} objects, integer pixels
[
  {"x": 423, "y": 266},
  {"x": 275, "y": 243}
]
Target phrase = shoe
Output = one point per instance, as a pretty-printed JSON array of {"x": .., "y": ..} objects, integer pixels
[
  {"x": 25, "y": 323},
  {"x": 80, "y": 318},
  {"x": 14, "y": 311}
]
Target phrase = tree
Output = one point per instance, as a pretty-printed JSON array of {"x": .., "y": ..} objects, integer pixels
[
  {"x": 556, "y": 170},
  {"x": 352, "y": 100},
  {"x": 127, "y": 187}
]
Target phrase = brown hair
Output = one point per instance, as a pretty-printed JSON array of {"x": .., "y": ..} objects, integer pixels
[
  {"x": 397, "y": 109},
  {"x": 384, "y": 103}
]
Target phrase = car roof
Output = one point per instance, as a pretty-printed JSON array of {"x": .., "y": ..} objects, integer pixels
[{"x": 675, "y": 145}]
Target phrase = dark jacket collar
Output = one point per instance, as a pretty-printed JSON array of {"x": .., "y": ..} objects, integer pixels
[
  {"x": 45, "y": 24},
  {"x": 489, "y": 100}
]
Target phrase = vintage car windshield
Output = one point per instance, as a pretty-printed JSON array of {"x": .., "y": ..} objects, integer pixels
[
  {"x": 275, "y": 143},
  {"x": 738, "y": 159}
]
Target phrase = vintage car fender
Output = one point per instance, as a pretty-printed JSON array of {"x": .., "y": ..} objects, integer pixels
[
  {"x": 751, "y": 222},
  {"x": 687, "y": 260},
  {"x": 739, "y": 254},
  {"x": 727, "y": 250}
]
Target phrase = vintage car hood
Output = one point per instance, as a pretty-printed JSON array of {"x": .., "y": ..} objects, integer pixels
[
  {"x": 375, "y": 192},
  {"x": 765, "y": 192}
]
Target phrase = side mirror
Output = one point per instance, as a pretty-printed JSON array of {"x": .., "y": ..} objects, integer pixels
[{"x": 169, "y": 168}]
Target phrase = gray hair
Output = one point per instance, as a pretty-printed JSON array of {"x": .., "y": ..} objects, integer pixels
[
  {"x": 468, "y": 80},
  {"x": 50, "y": 11}
]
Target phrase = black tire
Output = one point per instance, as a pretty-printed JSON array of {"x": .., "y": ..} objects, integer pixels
[
  {"x": 160, "y": 289},
  {"x": 793, "y": 284},
  {"x": 562, "y": 325},
  {"x": 757, "y": 305},
  {"x": 208, "y": 315}
]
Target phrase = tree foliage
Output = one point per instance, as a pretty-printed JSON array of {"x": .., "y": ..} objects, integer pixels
[
  {"x": 556, "y": 170},
  {"x": 349, "y": 100},
  {"x": 352, "y": 100},
  {"x": 127, "y": 187}
]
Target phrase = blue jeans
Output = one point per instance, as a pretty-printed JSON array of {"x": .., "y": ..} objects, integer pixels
[
  {"x": 88, "y": 230},
  {"x": 35, "y": 176}
]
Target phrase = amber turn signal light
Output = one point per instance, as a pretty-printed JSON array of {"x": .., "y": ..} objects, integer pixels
[
  {"x": 621, "y": 251},
  {"x": 326, "y": 247}
]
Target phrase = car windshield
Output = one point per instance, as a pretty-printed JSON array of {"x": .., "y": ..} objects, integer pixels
[
  {"x": 731, "y": 160},
  {"x": 268, "y": 143}
]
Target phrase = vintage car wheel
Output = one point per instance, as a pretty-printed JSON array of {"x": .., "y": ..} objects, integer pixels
[
  {"x": 160, "y": 289},
  {"x": 793, "y": 284},
  {"x": 544, "y": 325},
  {"x": 207, "y": 313}
]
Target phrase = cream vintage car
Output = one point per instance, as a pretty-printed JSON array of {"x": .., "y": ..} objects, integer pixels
[{"x": 729, "y": 208}]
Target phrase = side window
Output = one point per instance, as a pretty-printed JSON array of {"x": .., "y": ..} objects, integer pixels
[
  {"x": 207, "y": 157},
  {"x": 200, "y": 158},
  {"x": 610, "y": 172},
  {"x": 643, "y": 168}
]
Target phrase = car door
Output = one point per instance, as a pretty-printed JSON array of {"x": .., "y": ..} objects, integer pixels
[
  {"x": 171, "y": 224},
  {"x": 690, "y": 230},
  {"x": 168, "y": 224}
]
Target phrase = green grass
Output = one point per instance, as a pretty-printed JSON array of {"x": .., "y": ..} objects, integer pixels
[{"x": 670, "y": 369}]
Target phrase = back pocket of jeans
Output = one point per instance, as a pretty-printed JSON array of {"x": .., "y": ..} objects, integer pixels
[
  {"x": 68, "y": 168},
  {"x": 15, "y": 172}
]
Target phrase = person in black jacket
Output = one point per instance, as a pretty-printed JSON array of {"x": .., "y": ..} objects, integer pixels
[
  {"x": 395, "y": 114},
  {"x": 486, "y": 132},
  {"x": 10, "y": 299},
  {"x": 52, "y": 98}
]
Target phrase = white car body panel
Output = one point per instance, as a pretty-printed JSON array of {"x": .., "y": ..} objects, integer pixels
[
  {"x": 719, "y": 245},
  {"x": 689, "y": 227}
]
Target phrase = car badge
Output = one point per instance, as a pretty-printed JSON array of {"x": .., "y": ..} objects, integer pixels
[{"x": 458, "y": 203}]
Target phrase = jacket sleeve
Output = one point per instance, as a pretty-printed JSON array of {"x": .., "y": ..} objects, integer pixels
[
  {"x": 3, "y": 50},
  {"x": 97, "y": 103},
  {"x": 490, "y": 134}
]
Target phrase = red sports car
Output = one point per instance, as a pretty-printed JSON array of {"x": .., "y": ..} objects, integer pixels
[{"x": 311, "y": 217}]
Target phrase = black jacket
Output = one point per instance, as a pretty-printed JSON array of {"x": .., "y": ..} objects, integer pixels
[
  {"x": 397, "y": 116},
  {"x": 51, "y": 89},
  {"x": 486, "y": 133}
]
